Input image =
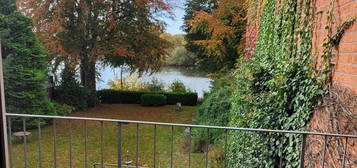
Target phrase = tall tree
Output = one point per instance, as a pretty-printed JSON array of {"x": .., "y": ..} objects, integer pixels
[
  {"x": 25, "y": 66},
  {"x": 224, "y": 29},
  {"x": 86, "y": 31},
  {"x": 191, "y": 8}
]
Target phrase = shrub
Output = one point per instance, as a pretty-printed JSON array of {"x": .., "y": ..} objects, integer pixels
[
  {"x": 153, "y": 100},
  {"x": 109, "y": 96},
  {"x": 71, "y": 93},
  {"x": 178, "y": 86},
  {"x": 214, "y": 111},
  {"x": 188, "y": 99},
  {"x": 154, "y": 85}
]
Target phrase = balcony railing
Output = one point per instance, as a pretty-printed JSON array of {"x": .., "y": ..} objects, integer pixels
[{"x": 119, "y": 136}]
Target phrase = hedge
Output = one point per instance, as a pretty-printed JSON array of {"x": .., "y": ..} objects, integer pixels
[
  {"x": 110, "y": 96},
  {"x": 153, "y": 100}
]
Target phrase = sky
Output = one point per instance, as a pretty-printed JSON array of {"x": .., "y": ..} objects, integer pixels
[{"x": 174, "y": 25}]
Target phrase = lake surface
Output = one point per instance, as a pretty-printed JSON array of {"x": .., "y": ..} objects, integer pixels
[{"x": 197, "y": 82}]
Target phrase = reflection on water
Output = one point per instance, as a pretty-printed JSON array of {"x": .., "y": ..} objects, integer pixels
[{"x": 194, "y": 80}]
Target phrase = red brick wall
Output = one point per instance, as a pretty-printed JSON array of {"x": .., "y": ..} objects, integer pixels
[
  {"x": 251, "y": 32},
  {"x": 250, "y": 42},
  {"x": 338, "y": 111},
  {"x": 345, "y": 72}
]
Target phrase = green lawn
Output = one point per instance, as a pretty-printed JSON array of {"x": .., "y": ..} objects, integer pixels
[{"x": 125, "y": 112}]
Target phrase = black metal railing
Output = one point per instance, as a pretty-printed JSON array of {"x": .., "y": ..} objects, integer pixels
[{"x": 119, "y": 134}]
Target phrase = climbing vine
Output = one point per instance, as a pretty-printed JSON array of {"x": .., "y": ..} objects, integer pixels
[
  {"x": 331, "y": 41},
  {"x": 276, "y": 89},
  {"x": 279, "y": 88}
]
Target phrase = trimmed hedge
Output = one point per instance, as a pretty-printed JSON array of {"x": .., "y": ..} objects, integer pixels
[
  {"x": 153, "y": 100},
  {"x": 188, "y": 99},
  {"x": 110, "y": 96}
]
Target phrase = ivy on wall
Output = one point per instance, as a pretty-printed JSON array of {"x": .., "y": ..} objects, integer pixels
[
  {"x": 279, "y": 88},
  {"x": 276, "y": 89},
  {"x": 331, "y": 41}
]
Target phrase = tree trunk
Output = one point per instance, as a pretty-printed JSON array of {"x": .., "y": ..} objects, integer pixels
[{"x": 88, "y": 77}]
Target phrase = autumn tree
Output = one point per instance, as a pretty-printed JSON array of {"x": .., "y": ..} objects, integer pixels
[
  {"x": 191, "y": 9},
  {"x": 85, "y": 32},
  {"x": 223, "y": 31}
]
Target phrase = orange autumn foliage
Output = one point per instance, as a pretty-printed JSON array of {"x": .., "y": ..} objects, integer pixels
[
  {"x": 224, "y": 29},
  {"x": 93, "y": 30}
]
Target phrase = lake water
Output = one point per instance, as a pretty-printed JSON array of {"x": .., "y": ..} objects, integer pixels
[{"x": 197, "y": 82}]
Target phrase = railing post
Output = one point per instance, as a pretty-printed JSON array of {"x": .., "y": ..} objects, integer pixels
[
  {"x": 345, "y": 154},
  {"x": 120, "y": 142},
  {"x": 3, "y": 135},
  {"x": 85, "y": 144},
  {"x": 302, "y": 151},
  {"x": 324, "y": 151},
  {"x": 155, "y": 146}
]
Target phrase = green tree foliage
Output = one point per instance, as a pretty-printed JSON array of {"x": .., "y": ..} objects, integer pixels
[
  {"x": 276, "y": 89},
  {"x": 25, "y": 68},
  {"x": 181, "y": 57}
]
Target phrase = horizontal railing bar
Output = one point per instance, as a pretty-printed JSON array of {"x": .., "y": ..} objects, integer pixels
[
  {"x": 113, "y": 165},
  {"x": 181, "y": 125}
]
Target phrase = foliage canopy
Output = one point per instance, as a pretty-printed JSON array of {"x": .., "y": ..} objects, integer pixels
[
  {"x": 216, "y": 35},
  {"x": 25, "y": 68},
  {"x": 115, "y": 32}
]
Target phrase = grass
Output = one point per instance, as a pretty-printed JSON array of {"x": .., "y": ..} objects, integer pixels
[{"x": 125, "y": 112}]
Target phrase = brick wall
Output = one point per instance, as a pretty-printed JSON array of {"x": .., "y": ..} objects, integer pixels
[
  {"x": 345, "y": 71},
  {"x": 338, "y": 113},
  {"x": 251, "y": 32}
]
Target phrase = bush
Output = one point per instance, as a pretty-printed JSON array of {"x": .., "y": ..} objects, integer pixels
[
  {"x": 154, "y": 85},
  {"x": 153, "y": 100},
  {"x": 178, "y": 86},
  {"x": 214, "y": 111},
  {"x": 75, "y": 97},
  {"x": 71, "y": 93},
  {"x": 185, "y": 98},
  {"x": 109, "y": 96}
]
